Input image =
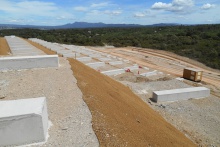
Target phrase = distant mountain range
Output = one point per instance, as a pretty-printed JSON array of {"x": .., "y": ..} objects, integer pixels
[{"x": 81, "y": 25}]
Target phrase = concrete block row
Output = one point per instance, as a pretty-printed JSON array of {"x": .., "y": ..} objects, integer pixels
[
  {"x": 28, "y": 62},
  {"x": 115, "y": 63},
  {"x": 84, "y": 59},
  {"x": 113, "y": 72},
  {"x": 135, "y": 67},
  {"x": 20, "y": 47},
  {"x": 95, "y": 55},
  {"x": 71, "y": 55},
  {"x": 180, "y": 94},
  {"x": 96, "y": 64},
  {"x": 104, "y": 59},
  {"x": 152, "y": 73}
]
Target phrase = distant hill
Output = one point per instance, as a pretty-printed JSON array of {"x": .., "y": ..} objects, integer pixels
[{"x": 81, "y": 25}]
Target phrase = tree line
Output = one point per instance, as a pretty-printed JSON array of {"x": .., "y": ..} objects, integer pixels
[{"x": 199, "y": 42}]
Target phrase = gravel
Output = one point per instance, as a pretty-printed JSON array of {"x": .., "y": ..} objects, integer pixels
[
  {"x": 198, "y": 119},
  {"x": 69, "y": 114}
]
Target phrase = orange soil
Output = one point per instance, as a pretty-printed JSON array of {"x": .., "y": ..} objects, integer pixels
[
  {"x": 4, "y": 48},
  {"x": 119, "y": 117}
]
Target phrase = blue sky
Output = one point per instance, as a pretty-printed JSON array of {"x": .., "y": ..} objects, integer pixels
[{"x": 58, "y": 12}]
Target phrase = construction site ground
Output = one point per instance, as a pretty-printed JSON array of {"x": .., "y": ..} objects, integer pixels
[
  {"x": 122, "y": 112},
  {"x": 197, "y": 118}
]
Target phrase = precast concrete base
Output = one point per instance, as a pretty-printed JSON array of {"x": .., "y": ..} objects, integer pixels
[
  {"x": 132, "y": 67},
  {"x": 152, "y": 73},
  {"x": 23, "y": 121},
  {"x": 96, "y": 64},
  {"x": 113, "y": 72},
  {"x": 71, "y": 55},
  {"x": 180, "y": 94},
  {"x": 104, "y": 59},
  {"x": 116, "y": 63},
  {"x": 84, "y": 59},
  {"x": 28, "y": 62}
]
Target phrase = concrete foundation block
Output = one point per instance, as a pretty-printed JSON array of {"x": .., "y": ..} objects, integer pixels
[
  {"x": 23, "y": 121},
  {"x": 116, "y": 63},
  {"x": 113, "y": 72},
  {"x": 84, "y": 59},
  {"x": 152, "y": 73},
  {"x": 71, "y": 55},
  {"x": 104, "y": 59},
  {"x": 127, "y": 61},
  {"x": 28, "y": 62},
  {"x": 64, "y": 52},
  {"x": 135, "y": 67},
  {"x": 96, "y": 64},
  {"x": 180, "y": 94},
  {"x": 95, "y": 55}
]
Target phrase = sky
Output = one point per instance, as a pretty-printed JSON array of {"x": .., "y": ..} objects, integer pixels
[{"x": 145, "y": 12}]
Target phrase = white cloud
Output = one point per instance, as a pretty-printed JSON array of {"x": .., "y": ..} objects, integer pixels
[
  {"x": 24, "y": 8},
  {"x": 189, "y": 3},
  {"x": 207, "y": 6},
  {"x": 114, "y": 12},
  {"x": 139, "y": 15},
  {"x": 80, "y": 8},
  {"x": 181, "y": 6},
  {"x": 160, "y": 5},
  {"x": 99, "y": 5}
]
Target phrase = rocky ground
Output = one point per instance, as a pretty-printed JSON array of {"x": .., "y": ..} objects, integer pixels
[{"x": 199, "y": 119}]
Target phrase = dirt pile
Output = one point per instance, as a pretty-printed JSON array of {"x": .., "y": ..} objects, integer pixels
[{"x": 120, "y": 118}]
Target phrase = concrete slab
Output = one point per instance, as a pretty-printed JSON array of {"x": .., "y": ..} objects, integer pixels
[
  {"x": 95, "y": 55},
  {"x": 28, "y": 62},
  {"x": 180, "y": 94},
  {"x": 63, "y": 51},
  {"x": 19, "y": 46},
  {"x": 96, "y": 64},
  {"x": 71, "y": 55},
  {"x": 23, "y": 121},
  {"x": 116, "y": 63},
  {"x": 132, "y": 67},
  {"x": 84, "y": 59},
  {"x": 113, "y": 72},
  {"x": 147, "y": 74},
  {"x": 104, "y": 59}
]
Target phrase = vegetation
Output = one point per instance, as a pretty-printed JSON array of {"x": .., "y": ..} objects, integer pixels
[{"x": 201, "y": 42}]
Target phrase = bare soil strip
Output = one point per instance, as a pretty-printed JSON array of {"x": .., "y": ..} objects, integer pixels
[
  {"x": 121, "y": 118},
  {"x": 4, "y": 48}
]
